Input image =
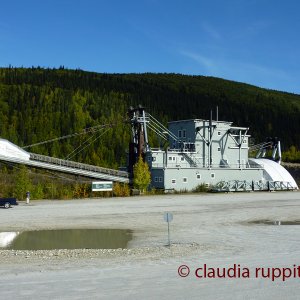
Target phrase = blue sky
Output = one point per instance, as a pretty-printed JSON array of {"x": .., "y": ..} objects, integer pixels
[{"x": 251, "y": 41}]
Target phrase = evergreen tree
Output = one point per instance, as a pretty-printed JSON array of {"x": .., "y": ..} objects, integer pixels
[{"x": 22, "y": 183}]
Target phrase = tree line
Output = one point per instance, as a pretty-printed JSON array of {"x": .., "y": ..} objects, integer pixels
[{"x": 38, "y": 104}]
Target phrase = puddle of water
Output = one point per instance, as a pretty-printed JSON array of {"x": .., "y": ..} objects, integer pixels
[
  {"x": 278, "y": 223},
  {"x": 66, "y": 239}
]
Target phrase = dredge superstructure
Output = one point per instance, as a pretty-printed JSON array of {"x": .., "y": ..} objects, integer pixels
[{"x": 209, "y": 152}]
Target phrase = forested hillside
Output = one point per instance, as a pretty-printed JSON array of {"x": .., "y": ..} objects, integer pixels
[{"x": 40, "y": 104}]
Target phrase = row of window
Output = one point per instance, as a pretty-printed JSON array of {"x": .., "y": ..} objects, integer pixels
[
  {"x": 173, "y": 158},
  {"x": 153, "y": 158},
  {"x": 158, "y": 179},
  {"x": 182, "y": 134},
  {"x": 184, "y": 179}
]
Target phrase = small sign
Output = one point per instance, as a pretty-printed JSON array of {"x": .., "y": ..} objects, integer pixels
[
  {"x": 168, "y": 217},
  {"x": 102, "y": 186}
]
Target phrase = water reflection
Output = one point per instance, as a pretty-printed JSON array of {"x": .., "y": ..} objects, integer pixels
[
  {"x": 6, "y": 238},
  {"x": 66, "y": 239}
]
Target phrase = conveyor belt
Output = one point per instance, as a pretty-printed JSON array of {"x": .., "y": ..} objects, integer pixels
[{"x": 66, "y": 166}]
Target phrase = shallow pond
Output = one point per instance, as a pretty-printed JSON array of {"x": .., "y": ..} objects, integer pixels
[{"x": 66, "y": 239}]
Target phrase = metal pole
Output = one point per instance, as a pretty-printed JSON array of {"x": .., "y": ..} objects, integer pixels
[
  {"x": 169, "y": 233},
  {"x": 210, "y": 140},
  {"x": 145, "y": 131},
  {"x": 240, "y": 145},
  {"x": 168, "y": 217}
]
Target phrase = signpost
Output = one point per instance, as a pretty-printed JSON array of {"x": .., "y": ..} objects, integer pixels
[
  {"x": 102, "y": 186},
  {"x": 168, "y": 217}
]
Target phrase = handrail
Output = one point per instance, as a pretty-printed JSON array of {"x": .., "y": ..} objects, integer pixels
[
  {"x": 202, "y": 166},
  {"x": 77, "y": 165}
]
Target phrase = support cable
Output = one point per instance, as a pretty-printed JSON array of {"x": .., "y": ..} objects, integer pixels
[
  {"x": 157, "y": 132},
  {"x": 74, "y": 151},
  {"x": 70, "y": 156},
  {"x": 162, "y": 127},
  {"x": 85, "y": 131}
]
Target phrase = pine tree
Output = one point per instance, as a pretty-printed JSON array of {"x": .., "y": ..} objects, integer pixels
[{"x": 22, "y": 183}]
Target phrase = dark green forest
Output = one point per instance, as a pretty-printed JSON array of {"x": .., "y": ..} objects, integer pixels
[{"x": 38, "y": 104}]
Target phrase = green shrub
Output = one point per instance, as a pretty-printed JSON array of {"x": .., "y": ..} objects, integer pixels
[{"x": 200, "y": 188}]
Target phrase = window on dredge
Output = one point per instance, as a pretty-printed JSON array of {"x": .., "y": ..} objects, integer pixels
[
  {"x": 179, "y": 133},
  {"x": 158, "y": 179},
  {"x": 184, "y": 180}
]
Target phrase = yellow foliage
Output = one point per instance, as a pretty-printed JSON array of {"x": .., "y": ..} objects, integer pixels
[{"x": 121, "y": 190}]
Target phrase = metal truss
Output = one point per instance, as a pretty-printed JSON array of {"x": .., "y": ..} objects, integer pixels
[{"x": 247, "y": 186}]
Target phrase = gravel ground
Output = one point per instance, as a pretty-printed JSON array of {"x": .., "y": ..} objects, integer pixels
[{"x": 211, "y": 229}]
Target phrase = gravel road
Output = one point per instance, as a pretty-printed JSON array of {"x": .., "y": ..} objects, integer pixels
[{"x": 208, "y": 229}]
